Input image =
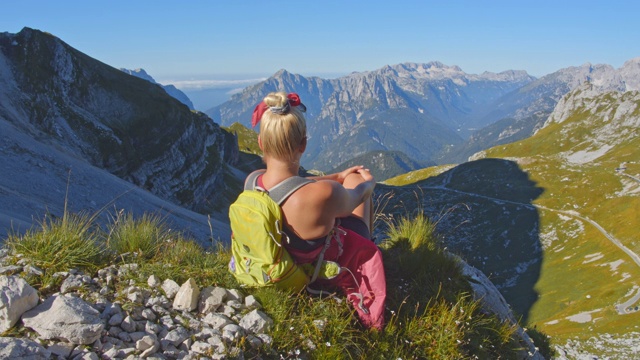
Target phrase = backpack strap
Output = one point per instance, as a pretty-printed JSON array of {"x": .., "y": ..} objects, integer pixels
[{"x": 281, "y": 191}]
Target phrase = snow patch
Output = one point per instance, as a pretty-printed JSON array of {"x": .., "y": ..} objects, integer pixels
[
  {"x": 584, "y": 156},
  {"x": 625, "y": 276},
  {"x": 613, "y": 266},
  {"x": 582, "y": 317},
  {"x": 593, "y": 257}
]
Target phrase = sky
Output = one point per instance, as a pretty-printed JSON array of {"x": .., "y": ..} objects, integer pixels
[{"x": 200, "y": 41}]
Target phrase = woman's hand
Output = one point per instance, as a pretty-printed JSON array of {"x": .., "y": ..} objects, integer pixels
[
  {"x": 366, "y": 174},
  {"x": 344, "y": 173}
]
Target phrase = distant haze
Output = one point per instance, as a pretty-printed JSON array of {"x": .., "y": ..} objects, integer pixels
[{"x": 206, "y": 92}]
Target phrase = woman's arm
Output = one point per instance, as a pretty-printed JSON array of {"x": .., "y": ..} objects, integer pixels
[
  {"x": 343, "y": 201},
  {"x": 340, "y": 176}
]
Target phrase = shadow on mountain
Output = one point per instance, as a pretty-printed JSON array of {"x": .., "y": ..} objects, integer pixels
[{"x": 483, "y": 209}]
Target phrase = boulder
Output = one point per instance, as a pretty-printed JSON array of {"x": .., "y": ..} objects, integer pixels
[
  {"x": 16, "y": 297},
  {"x": 66, "y": 318},
  {"x": 22, "y": 349}
]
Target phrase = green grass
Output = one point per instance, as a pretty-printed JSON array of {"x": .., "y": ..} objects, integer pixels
[
  {"x": 143, "y": 237},
  {"x": 60, "y": 244},
  {"x": 417, "y": 175},
  {"x": 431, "y": 314}
]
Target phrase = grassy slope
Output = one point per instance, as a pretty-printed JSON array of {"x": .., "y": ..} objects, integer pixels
[{"x": 582, "y": 271}]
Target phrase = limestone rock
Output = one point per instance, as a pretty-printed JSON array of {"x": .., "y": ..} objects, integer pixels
[
  {"x": 187, "y": 296},
  {"x": 22, "y": 349},
  {"x": 211, "y": 298},
  {"x": 16, "y": 297},
  {"x": 66, "y": 318},
  {"x": 256, "y": 322},
  {"x": 170, "y": 288}
]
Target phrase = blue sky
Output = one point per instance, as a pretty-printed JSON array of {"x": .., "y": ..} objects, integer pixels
[{"x": 202, "y": 39}]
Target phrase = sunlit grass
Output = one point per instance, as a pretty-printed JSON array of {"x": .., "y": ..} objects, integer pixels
[
  {"x": 143, "y": 237},
  {"x": 430, "y": 312},
  {"x": 59, "y": 244}
]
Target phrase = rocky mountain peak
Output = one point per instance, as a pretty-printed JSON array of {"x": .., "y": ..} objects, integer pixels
[
  {"x": 282, "y": 73},
  {"x": 141, "y": 73},
  {"x": 630, "y": 72},
  {"x": 170, "y": 89}
]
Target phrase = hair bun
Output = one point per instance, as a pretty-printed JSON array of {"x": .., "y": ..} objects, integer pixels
[{"x": 278, "y": 99}]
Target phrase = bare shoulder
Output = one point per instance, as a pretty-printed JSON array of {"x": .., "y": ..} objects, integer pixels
[
  {"x": 318, "y": 193},
  {"x": 320, "y": 190}
]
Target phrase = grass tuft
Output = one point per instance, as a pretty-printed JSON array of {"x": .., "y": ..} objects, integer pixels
[
  {"x": 60, "y": 244},
  {"x": 143, "y": 237}
]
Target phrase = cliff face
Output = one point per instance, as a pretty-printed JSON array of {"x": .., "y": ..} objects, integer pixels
[{"x": 123, "y": 124}]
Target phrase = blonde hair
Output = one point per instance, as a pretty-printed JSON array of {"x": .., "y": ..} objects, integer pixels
[{"x": 281, "y": 135}]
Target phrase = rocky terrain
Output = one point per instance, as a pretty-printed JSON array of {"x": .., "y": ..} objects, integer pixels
[{"x": 89, "y": 319}]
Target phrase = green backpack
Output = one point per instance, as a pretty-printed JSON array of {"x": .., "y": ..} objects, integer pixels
[{"x": 257, "y": 255}]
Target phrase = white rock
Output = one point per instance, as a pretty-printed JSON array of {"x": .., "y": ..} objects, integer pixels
[
  {"x": 235, "y": 294},
  {"x": 128, "y": 324},
  {"x": 217, "y": 321},
  {"x": 153, "y": 281},
  {"x": 232, "y": 332},
  {"x": 19, "y": 349},
  {"x": 251, "y": 302},
  {"x": 66, "y": 318},
  {"x": 170, "y": 288},
  {"x": 116, "y": 319},
  {"x": 256, "y": 322},
  {"x": 61, "y": 349},
  {"x": 146, "y": 342},
  {"x": 211, "y": 298},
  {"x": 16, "y": 297},
  {"x": 177, "y": 336},
  {"x": 202, "y": 347},
  {"x": 187, "y": 296}
]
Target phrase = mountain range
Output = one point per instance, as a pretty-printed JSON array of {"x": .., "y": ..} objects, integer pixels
[{"x": 433, "y": 113}]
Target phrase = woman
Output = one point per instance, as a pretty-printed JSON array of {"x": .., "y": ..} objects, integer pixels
[{"x": 339, "y": 205}]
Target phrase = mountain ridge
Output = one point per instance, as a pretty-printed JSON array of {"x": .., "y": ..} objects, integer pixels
[
  {"x": 74, "y": 104},
  {"x": 423, "y": 95},
  {"x": 170, "y": 89}
]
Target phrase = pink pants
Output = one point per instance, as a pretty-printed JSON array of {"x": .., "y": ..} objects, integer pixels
[{"x": 364, "y": 260}]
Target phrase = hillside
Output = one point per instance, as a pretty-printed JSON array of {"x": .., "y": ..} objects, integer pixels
[
  {"x": 73, "y": 126},
  {"x": 522, "y": 112},
  {"x": 587, "y": 159},
  {"x": 583, "y": 216}
]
